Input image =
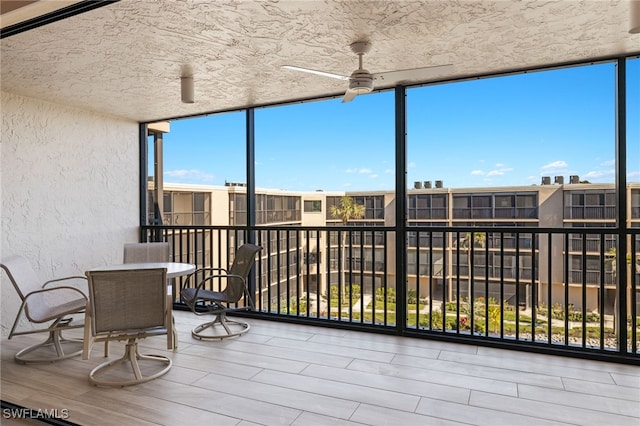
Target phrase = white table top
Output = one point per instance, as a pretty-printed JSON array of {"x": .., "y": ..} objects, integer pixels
[{"x": 174, "y": 269}]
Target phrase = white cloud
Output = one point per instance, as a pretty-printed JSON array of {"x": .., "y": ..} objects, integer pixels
[
  {"x": 608, "y": 163},
  {"x": 193, "y": 175},
  {"x": 373, "y": 176},
  {"x": 477, "y": 172},
  {"x": 599, "y": 173},
  {"x": 411, "y": 165},
  {"x": 499, "y": 165},
  {"x": 362, "y": 170},
  {"x": 556, "y": 165},
  {"x": 500, "y": 171},
  {"x": 388, "y": 171}
]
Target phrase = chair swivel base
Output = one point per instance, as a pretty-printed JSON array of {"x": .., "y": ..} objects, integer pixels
[
  {"x": 220, "y": 328},
  {"x": 132, "y": 355},
  {"x": 55, "y": 341}
]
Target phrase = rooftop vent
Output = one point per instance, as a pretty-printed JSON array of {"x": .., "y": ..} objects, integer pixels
[
  {"x": 427, "y": 184},
  {"x": 546, "y": 180},
  {"x": 574, "y": 179},
  {"x": 438, "y": 184},
  {"x": 559, "y": 180},
  {"x": 417, "y": 185}
]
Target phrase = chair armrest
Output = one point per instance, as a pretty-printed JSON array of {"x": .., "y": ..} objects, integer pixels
[
  {"x": 75, "y": 277},
  {"x": 203, "y": 281},
  {"x": 208, "y": 270},
  {"x": 85, "y": 282},
  {"x": 202, "y": 270},
  {"x": 58, "y": 288}
]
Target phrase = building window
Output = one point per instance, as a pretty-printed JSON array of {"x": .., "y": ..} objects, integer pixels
[
  {"x": 313, "y": 206},
  {"x": 427, "y": 206},
  {"x": 635, "y": 203},
  {"x": 590, "y": 204}
]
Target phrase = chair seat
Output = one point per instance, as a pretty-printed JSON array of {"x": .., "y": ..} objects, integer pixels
[
  {"x": 206, "y": 295},
  {"x": 49, "y": 313}
]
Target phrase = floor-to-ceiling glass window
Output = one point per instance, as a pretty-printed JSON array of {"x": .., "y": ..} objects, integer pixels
[
  {"x": 525, "y": 150},
  {"x": 337, "y": 160},
  {"x": 203, "y": 169},
  {"x": 633, "y": 182}
]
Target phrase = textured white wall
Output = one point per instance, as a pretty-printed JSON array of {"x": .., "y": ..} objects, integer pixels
[{"x": 69, "y": 187}]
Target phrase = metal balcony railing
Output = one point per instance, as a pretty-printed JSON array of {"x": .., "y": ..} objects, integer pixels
[{"x": 527, "y": 289}]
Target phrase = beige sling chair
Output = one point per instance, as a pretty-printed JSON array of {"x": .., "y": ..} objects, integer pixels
[
  {"x": 127, "y": 305},
  {"x": 47, "y": 302},
  {"x": 151, "y": 252},
  {"x": 146, "y": 252},
  {"x": 206, "y": 298}
]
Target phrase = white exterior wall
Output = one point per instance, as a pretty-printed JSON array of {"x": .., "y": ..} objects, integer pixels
[{"x": 69, "y": 188}]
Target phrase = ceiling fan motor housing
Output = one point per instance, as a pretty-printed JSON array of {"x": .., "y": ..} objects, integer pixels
[{"x": 361, "y": 82}]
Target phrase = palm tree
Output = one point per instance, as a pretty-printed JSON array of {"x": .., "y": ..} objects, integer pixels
[{"x": 347, "y": 210}]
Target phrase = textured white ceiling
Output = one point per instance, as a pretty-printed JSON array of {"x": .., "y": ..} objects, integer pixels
[{"x": 126, "y": 58}]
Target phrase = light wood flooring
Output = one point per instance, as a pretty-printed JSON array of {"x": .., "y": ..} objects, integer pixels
[{"x": 282, "y": 374}]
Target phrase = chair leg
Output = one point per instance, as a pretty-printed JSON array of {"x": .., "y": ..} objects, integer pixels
[
  {"x": 55, "y": 340},
  {"x": 231, "y": 328},
  {"x": 131, "y": 355}
]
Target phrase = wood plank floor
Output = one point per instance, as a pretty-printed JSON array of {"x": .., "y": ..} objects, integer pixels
[{"x": 283, "y": 374}]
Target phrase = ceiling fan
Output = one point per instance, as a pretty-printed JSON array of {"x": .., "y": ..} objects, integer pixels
[{"x": 361, "y": 81}]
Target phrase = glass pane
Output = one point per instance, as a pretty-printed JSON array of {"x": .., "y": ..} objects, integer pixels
[
  {"x": 515, "y": 130},
  {"x": 203, "y": 151},
  {"x": 322, "y": 146}
]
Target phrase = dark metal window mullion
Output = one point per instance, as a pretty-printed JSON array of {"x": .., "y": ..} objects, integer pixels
[
  {"x": 401, "y": 206},
  {"x": 621, "y": 202}
]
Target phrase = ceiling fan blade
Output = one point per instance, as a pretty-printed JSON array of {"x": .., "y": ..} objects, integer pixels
[
  {"x": 415, "y": 74},
  {"x": 348, "y": 96},
  {"x": 321, "y": 73}
]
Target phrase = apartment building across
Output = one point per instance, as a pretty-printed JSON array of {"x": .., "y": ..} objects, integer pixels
[{"x": 440, "y": 265}]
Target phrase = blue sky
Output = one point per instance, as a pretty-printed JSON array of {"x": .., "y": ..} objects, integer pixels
[{"x": 491, "y": 132}]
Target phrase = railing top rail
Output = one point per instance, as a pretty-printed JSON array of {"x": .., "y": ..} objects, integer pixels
[{"x": 413, "y": 228}]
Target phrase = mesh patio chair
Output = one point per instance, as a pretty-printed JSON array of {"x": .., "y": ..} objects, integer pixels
[
  {"x": 42, "y": 303},
  {"x": 150, "y": 252},
  {"x": 127, "y": 305},
  {"x": 202, "y": 299},
  {"x": 146, "y": 252}
]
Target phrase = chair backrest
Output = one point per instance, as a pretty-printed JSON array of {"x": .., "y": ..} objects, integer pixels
[
  {"x": 25, "y": 281},
  {"x": 146, "y": 252},
  {"x": 21, "y": 275},
  {"x": 242, "y": 263},
  {"x": 127, "y": 300}
]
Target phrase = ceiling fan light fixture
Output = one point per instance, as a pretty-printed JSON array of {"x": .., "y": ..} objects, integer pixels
[
  {"x": 361, "y": 86},
  {"x": 186, "y": 89},
  {"x": 361, "y": 82}
]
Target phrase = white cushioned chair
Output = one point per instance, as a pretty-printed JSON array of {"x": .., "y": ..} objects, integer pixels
[{"x": 47, "y": 302}]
